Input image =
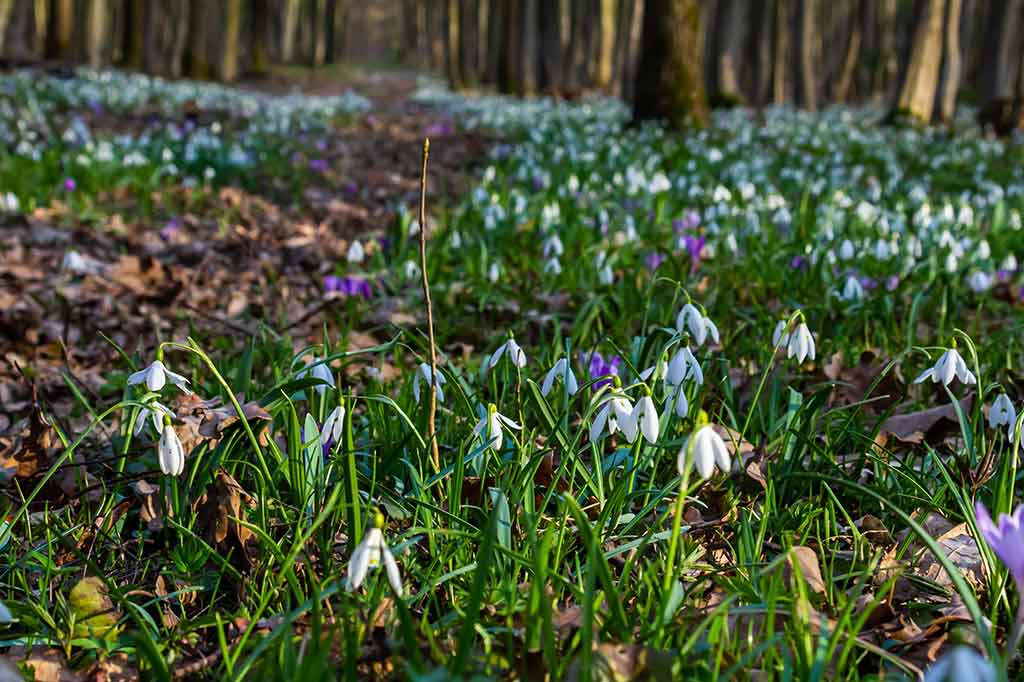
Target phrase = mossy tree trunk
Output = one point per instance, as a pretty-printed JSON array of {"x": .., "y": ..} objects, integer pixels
[{"x": 669, "y": 82}]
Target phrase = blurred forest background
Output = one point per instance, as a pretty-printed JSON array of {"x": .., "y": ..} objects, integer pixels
[{"x": 920, "y": 57}]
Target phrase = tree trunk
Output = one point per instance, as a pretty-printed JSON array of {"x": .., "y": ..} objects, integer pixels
[
  {"x": 5, "y": 16},
  {"x": 450, "y": 29},
  {"x": 623, "y": 29},
  {"x": 410, "y": 31},
  {"x": 96, "y": 33},
  {"x": 951, "y": 61},
  {"x": 1000, "y": 60},
  {"x": 198, "y": 40},
  {"x": 259, "y": 37},
  {"x": 669, "y": 82},
  {"x": 318, "y": 33},
  {"x": 849, "y": 69},
  {"x": 289, "y": 24},
  {"x": 60, "y": 29},
  {"x": 232, "y": 29},
  {"x": 134, "y": 32},
  {"x": 549, "y": 52},
  {"x": 468, "y": 31},
  {"x": 181, "y": 11},
  {"x": 573, "y": 66},
  {"x": 921, "y": 77},
  {"x": 759, "y": 82},
  {"x": 887, "y": 68},
  {"x": 780, "y": 58},
  {"x": 806, "y": 53},
  {"x": 605, "y": 71}
]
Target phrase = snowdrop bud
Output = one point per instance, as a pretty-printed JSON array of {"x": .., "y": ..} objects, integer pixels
[
  {"x": 170, "y": 451},
  {"x": 1002, "y": 413},
  {"x": 704, "y": 450},
  {"x": 334, "y": 425}
]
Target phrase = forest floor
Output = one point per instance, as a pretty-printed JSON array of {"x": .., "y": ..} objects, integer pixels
[{"x": 219, "y": 258}]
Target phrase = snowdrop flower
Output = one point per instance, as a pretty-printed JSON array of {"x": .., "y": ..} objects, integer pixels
[
  {"x": 684, "y": 366},
  {"x": 704, "y": 449},
  {"x": 800, "y": 344},
  {"x": 155, "y": 377},
  {"x": 606, "y": 276},
  {"x": 1002, "y": 413},
  {"x": 961, "y": 664},
  {"x": 552, "y": 246},
  {"x": 616, "y": 413},
  {"x": 155, "y": 411},
  {"x": 80, "y": 265},
  {"x": 5, "y": 614},
  {"x": 493, "y": 273},
  {"x": 424, "y": 373},
  {"x": 779, "y": 337},
  {"x": 170, "y": 451},
  {"x": 553, "y": 265},
  {"x": 846, "y": 250},
  {"x": 333, "y": 425},
  {"x": 852, "y": 290},
  {"x": 979, "y": 281},
  {"x": 411, "y": 269},
  {"x": 492, "y": 424},
  {"x": 699, "y": 324},
  {"x": 369, "y": 554},
  {"x": 355, "y": 253},
  {"x": 515, "y": 354},
  {"x": 561, "y": 370},
  {"x": 320, "y": 371},
  {"x": 949, "y": 366},
  {"x": 645, "y": 418}
]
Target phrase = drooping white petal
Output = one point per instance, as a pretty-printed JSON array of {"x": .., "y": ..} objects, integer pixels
[
  {"x": 645, "y": 415},
  {"x": 334, "y": 424},
  {"x": 391, "y": 569},
  {"x": 171, "y": 453},
  {"x": 600, "y": 419}
]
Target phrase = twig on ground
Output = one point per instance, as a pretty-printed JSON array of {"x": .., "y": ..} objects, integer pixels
[{"x": 432, "y": 414}]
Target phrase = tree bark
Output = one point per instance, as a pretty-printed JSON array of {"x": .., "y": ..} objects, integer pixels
[
  {"x": 5, "y": 16},
  {"x": 197, "y": 44},
  {"x": 318, "y": 33},
  {"x": 888, "y": 57},
  {"x": 289, "y": 24},
  {"x": 232, "y": 29},
  {"x": 606, "y": 45},
  {"x": 468, "y": 32},
  {"x": 96, "y": 33},
  {"x": 845, "y": 82},
  {"x": 259, "y": 37},
  {"x": 726, "y": 50},
  {"x": 951, "y": 64},
  {"x": 1000, "y": 60},
  {"x": 549, "y": 30},
  {"x": 780, "y": 58},
  {"x": 921, "y": 77},
  {"x": 181, "y": 11},
  {"x": 669, "y": 83},
  {"x": 806, "y": 53},
  {"x": 60, "y": 29}
]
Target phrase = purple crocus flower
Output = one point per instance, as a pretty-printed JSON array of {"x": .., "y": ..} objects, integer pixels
[
  {"x": 599, "y": 367},
  {"x": 439, "y": 129},
  {"x": 797, "y": 263},
  {"x": 318, "y": 165},
  {"x": 347, "y": 286},
  {"x": 1006, "y": 539},
  {"x": 653, "y": 260},
  {"x": 1004, "y": 276},
  {"x": 867, "y": 282},
  {"x": 892, "y": 282},
  {"x": 694, "y": 245},
  {"x": 70, "y": 185},
  {"x": 170, "y": 229},
  {"x": 350, "y": 188}
]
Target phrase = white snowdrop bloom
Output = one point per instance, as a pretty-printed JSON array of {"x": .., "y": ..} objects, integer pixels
[
  {"x": 412, "y": 269},
  {"x": 883, "y": 250},
  {"x": 1009, "y": 263},
  {"x": 423, "y": 373},
  {"x": 154, "y": 411},
  {"x": 800, "y": 344},
  {"x": 80, "y": 265},
  {"x": 156, "y": 376},
  {"x": 948, "y": 367},
  {"x": 321, "y": 371},
  {"x": 846, "y": 250},
  {"x": 10, "y": 202},
  {"x": 456, "y": 239},
  {"x": 560, "y": 371},
  {"x": 369, "y": 554},
  {"x": 979, "y": 281},
  {"x": 515, "y": 354},
  {"x": 490, "y": 429},
  {"x": 170, "y": 451},
  {"x": 334, "y": 425},
  {"x": 780, "y": 337},
  {"x": 952, "y": 262},
  {"x": 700, "y": 326},
  {"x": 705, "y": 450},
  {"x": 616, "y": 413},
  {"x": 355, "y": 252},
  {"x": 960, "y": 665},
  {"x": 655, "y": 371},
  {"x": 852, "y": 290},
  {"x": 682, "y": 405},
  {"x": 553, "y": 265},
  {"x": 659, "y": 183},
  {"x": 493, "y": 273},
  {"x": 606, "y": 276},
  {"x": 552, "y": 247},
  {"x": 984, "y": 250},
  {"x": 684, "y": 366},
  {"x": 645, "y": 419},
  {"x": 721, "y": 194},
  {"x": 1002, "y": 413}
]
